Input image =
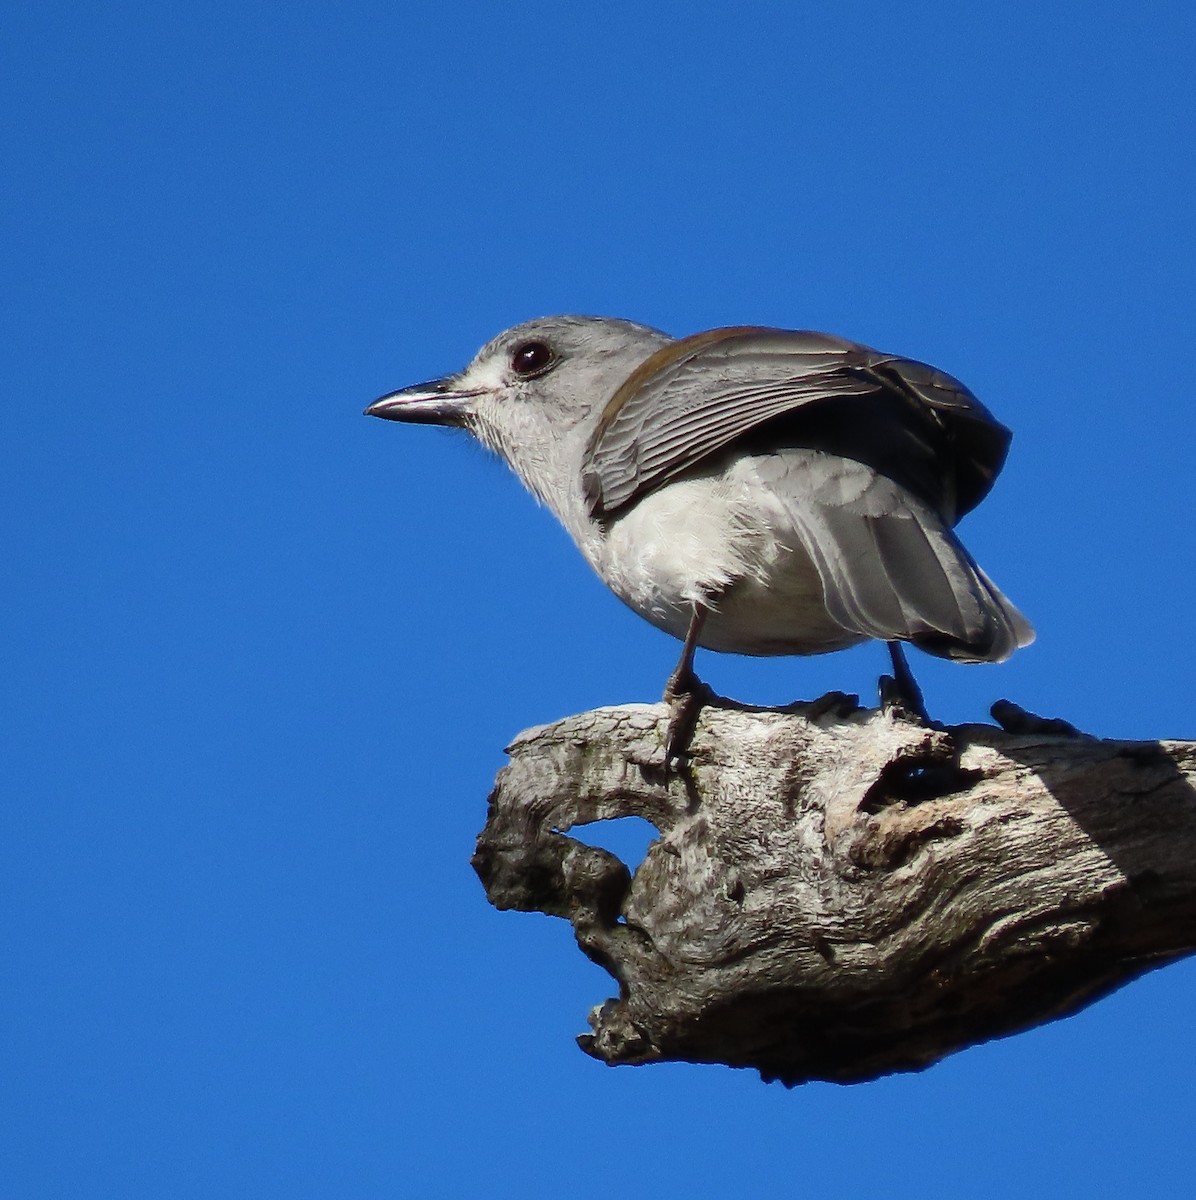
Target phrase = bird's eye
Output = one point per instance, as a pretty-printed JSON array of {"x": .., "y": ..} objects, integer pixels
[{"x": 531, "y": 358}]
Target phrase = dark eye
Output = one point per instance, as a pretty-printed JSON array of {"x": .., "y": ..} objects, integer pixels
[{"x": 531, "y": 358}]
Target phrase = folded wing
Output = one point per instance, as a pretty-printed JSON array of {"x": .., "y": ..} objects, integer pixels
[{"x": 697, "y": 395}]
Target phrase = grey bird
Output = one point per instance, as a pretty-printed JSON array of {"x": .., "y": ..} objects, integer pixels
[{"x": 750, "y": 490}]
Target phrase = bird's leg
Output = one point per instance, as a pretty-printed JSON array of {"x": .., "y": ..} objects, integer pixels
[
  {"x": 685, "y": 693},
  {"x": 901, "y": 688},
  {"x": 683, "y": 680}
]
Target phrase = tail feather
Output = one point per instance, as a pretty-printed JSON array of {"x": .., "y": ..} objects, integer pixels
[{"x": 893, "y": 569}]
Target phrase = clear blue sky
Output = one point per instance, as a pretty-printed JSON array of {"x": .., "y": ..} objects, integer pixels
[{"x": 261, "y": 654}]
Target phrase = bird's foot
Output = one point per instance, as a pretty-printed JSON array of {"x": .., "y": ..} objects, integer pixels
[
  {"x": 685, "y": 695},
  {"x": 900, "y": 690},
  {"x": 909, "y": 701}
]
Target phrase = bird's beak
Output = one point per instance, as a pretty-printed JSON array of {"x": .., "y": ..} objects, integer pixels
[{"x": 438, "y": 402}]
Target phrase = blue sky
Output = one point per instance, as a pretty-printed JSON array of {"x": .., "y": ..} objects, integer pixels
[{"x": 262, "y": 654}]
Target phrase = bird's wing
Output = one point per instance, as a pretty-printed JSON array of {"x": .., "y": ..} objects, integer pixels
[{"x": 907, "y": 420}]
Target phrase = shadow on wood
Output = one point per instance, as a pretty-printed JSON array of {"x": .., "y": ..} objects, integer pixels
[{"x": 840, "y": 893}]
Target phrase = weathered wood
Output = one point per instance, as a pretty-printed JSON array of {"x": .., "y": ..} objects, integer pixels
[{"x": 839, "y": 893}]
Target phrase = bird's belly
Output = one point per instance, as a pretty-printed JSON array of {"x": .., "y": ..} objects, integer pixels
[
  {"x": 782, "y": 614},
  {"x": 701, "y": 540}
]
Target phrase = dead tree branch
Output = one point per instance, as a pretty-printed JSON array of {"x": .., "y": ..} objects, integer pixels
[{"x": 838, "y": 893}]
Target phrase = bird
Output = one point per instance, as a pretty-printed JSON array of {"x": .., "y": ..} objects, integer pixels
[{"x": 747, "y": 489}]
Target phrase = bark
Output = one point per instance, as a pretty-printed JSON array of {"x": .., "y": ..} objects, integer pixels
[{"x": 840, "y": 893}]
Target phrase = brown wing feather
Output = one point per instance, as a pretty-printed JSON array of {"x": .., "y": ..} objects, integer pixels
[{"x": 699, "y": 394}]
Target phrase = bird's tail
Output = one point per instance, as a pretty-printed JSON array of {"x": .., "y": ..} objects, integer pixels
[
  {"x": 900, "y": 573},
  {"x": 1003, "y": 630}
]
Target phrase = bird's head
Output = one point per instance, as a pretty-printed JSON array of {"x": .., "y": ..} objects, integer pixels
[{"x": 533, "y": 393}]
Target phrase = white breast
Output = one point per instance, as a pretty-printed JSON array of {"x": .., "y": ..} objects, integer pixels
[{"x": 719, "y": 539}]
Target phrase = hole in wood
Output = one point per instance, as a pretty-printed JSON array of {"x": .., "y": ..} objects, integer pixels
[{"x": 627, "y": 838}]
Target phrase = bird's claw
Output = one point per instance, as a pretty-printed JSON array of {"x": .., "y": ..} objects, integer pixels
[
  {"x": 900, "y": 690},
  {"x": 894, "y": 696},
  {"x": 685, "y": 696}
]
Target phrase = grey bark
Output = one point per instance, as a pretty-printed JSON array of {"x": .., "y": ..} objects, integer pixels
[{"x": 840, "y": 893}]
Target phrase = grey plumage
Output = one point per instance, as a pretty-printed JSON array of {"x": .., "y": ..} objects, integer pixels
[{"x": 768, "y": 491}]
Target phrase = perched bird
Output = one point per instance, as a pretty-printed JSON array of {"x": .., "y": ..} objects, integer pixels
[{"x": 751, "y": 490}]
